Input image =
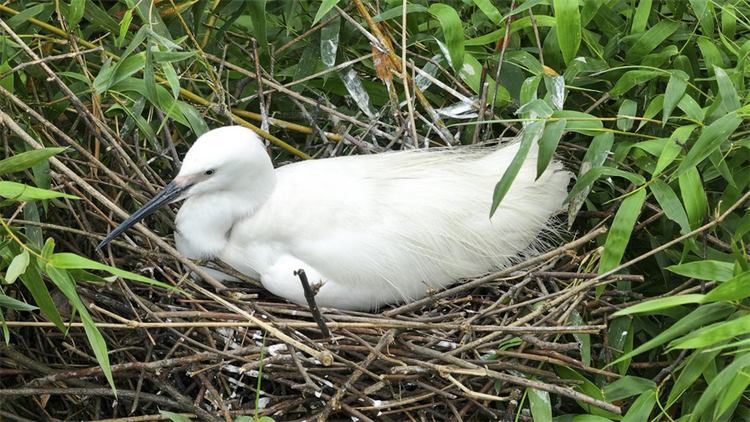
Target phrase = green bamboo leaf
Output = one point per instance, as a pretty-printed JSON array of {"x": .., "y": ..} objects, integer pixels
[
  {"x": 453, "y": 32},
  {"x": 640, "y": 19},
  {"x": 115, "y": 74},
  {"x": 75, "y": 14},
  {"x": 490, "y": 10},
  {"x": 531, "y": 134},
  {"x": 736, "y": 288},
  {"x": 627, "y": 386},
  {"x": 541, "y": 405},
  {"x": 628, "y": 108},
  {"x": 699, "y": 317},
  {"x": 325, "y": 7},
  {"x": 62, "y": 280},
  {"x": 124, "y": 26},
  {"x": 650, "y": 40},
  {"x": 694, "y": 367},
  {"x": 27, "y": 159},
  {"x": 100, "y": 18},
  {"x": 28, "y": 13},
  {"x": 670, "y": 203},
  {"x": 711, "y": 55},
  {"x": 719, "y": 384},
  {"x": 726, "y": 88},
  {"x": 583, "y": 123},
  {"x": 194, "y": 118},
  {"x": 32, "y": 279},
  {"x": 693, "y": 197},
  {"x": 714, "y": 333},
  {"x": 23, "y": 193},
  {"x": 672, "y": 148},
  {"x": 659, "y": 304},
  {"x": 622, "y": 227},
  {"x": 396, "y": 12},
  {"x": 691, "y": 108},
  {"x": 732, "y": 393},
  {"x": 631, "y": 79},
  {"x": 705, "y": 270},
  {"x": 7, "y": 82},
  {"x": 17, "y": 266},
  {"x": 595, "y": 173},
  {"x": 710, "y": 139},
  {"x": 568, "y": 27},
  {"x": 548, "y": 145},
  {"x": 703, "y": 9},
  {"x": 641, "y": 408},
  {"x": 176, "y": 417},
  {"x": 257, "y": 10},
  {"x": 11, "y": 303},
  {"x": 672, "y": 96},
  {"x": 728, "y": 20},
  {"x": 73, "y": 261},
  {"x": 471, "y": 73}
]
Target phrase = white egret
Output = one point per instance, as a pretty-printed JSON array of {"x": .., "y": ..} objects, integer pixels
[{"x": 374, "y": 229}]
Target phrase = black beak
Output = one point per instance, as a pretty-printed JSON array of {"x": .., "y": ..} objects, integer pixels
[{"x": 170, "y": 193}]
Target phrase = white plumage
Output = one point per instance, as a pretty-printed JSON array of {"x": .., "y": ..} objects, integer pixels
[{"x": 375, "y": 229}]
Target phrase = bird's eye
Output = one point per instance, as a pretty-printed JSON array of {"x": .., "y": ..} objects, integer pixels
[{"x": 209, "y": 172}]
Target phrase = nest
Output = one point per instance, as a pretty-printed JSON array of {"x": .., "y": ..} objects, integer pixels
[{"x": 471, "y": 352}]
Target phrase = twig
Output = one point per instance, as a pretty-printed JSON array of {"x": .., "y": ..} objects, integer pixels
[{"x": 310, "y": 298}]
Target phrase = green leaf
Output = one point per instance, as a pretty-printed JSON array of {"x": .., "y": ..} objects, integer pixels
[
  {"x": 659, "y": 304},
  {"x": 6, "y": 82},
  {"x": 672, "y": 148},
  {"x": 548, "y": 145},
  {"x": 27, "y": 159},
  {"x": 705, "y": 270},
  {"x": 641, "y": 408},
  {"x": 627, "y": 386},
  {"x": 640, "y": 19},
  {"x": 176, "y": 417},
  {"x": 9, "y": 302},
  {"x": 622, "y": 227},
  {"x": 453, "y": 32},
  {"x": 33, "y": 281},
  {"x": 719, "y": 384},
  {"x": 471, "y": 73},
  {"x": 531, "y": 134},
  {"x": 490, "y": 10},
  {"x": 671, "y": 205},
  {"x": 100, "y": 18},
  {"x": 693, "y": 196},
  {"x": 595, "y": 173},
  {"x": 75, "y": 14},
  {"x": 650, "y": 40},
  {"x": 701, "y": 316},
  {"x": 631, "y": 79},
  {"x": 23, "y": 193},
  {"x": 397, "y": 11},
  {"x": 17, "y": 266},
  {"x": 325, "y": 7},
  {"x": 712, "y": 137},
  {"x": 257, "y": 10},
  {"x": 73, "y": 261},
  {"x": 694, "y": 367},
  {"x": 125, "y": 26},
  {"x": 568, "y": 27},
  {"x": 714, "y": 333},
  {"x": 583, "y": 123},
  {"x": 672, "y": 96},
  {"x": 541, "y": 405},
  {"x": 66, "y": 285},
  {"x": 628, "y": 108},
  {"x": 736, "y": 288},
  {"x": 726, "y": 88},
  {"x": 118, "y": 73}
]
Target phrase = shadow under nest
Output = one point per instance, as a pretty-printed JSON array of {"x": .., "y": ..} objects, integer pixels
[{"x": 466, "y": 353}]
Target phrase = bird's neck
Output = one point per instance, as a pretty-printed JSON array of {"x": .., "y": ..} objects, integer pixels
[{"x": 205, "y": 221}]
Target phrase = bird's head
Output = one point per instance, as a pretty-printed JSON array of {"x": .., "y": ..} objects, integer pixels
[{"x": 222, "y": 160}]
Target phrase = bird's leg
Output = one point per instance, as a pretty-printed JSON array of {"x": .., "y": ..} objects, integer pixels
[{"x": 310, "y": 297}]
